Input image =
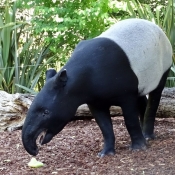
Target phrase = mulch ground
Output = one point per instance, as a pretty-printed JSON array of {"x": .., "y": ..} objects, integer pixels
[{"x": 74, "y": 152}]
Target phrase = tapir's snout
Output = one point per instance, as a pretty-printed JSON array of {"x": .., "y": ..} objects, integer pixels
[
  {"x": 29, "y": 141},
  {"x": 30, "y": 137}
]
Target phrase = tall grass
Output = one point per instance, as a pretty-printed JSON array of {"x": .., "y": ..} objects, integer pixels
[
  {"x": 5, "y": 45},
  {"x": 22, "y": 59}
]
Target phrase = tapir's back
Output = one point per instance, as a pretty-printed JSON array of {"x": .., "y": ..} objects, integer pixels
[{"x": 147, "y": 48}]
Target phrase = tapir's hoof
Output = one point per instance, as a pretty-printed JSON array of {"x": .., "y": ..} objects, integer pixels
[
  {"x": 149, "y": 136},
  {"x": 106, "y": 153},
  {"x": 142, "y": 146}
]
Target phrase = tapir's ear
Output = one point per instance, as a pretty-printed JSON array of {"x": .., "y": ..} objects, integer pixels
[
  {"x": 50, "y": 73},
  {"x": 62, "y": 78},
  {"x": 63, "y": 75}
]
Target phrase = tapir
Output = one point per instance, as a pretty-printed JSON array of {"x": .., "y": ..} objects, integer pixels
[{"x": 119, "y": 67}]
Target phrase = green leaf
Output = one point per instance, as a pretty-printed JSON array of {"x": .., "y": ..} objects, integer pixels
[{"x": 26, "y": 89}]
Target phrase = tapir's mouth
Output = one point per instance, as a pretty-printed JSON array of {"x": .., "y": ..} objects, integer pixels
[
  {"x": 33, "y": 138},
  {"x": 44, "y": 137},
  {"x": 41, "y": 137}
]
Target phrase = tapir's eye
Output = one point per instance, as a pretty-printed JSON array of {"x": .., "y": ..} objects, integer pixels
[{"x": 46, "y": 112}]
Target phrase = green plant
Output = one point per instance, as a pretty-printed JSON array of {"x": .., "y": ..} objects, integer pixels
[
  {"x": 34, "y": 63},
  {"x": 7, "y": 56},
  {"x": 22, "y": 56},
  {"x": 65, "y": 23},
  {"x": 57, "y": 24}
]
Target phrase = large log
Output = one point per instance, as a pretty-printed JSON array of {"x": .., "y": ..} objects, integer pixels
[
  {"x": 13, "y": 109},
  {"x": 166, "y": 107}
]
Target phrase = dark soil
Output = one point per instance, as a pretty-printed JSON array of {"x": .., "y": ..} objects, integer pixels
[{"x": 74, "y": 152}]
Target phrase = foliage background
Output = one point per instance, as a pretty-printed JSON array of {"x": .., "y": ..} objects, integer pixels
[{"x": 43, "y": 33}]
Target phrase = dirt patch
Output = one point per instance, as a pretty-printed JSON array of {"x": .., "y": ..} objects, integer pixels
[{"x": 74, "y": 152}]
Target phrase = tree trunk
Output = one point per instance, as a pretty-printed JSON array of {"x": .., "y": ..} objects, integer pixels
[
  {"x": 166, "y": 107},
  {"x": 167, "y": 104},
  {"x": 13, "y": 109}
]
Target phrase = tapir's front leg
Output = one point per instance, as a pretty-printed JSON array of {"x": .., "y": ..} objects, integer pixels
[
  {"x": 103, "y": 119},
  {"x": 131, "y": 113}
]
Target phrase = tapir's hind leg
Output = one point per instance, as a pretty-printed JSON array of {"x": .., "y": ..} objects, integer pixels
[
  {"x": 103, "y": 119},
  {"x": 152, "y": 105},
  {"x": 142, "y": 103}
]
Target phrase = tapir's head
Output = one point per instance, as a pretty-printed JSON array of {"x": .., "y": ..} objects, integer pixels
[{"x": 49, "y": 112}]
